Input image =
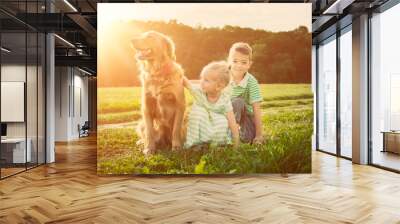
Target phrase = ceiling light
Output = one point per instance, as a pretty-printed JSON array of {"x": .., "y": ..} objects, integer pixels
[
  {"x": 84, "y": 71},
  {"x": 5, "y": 50},
  {"x": 64, "y": 40},
  {"x": 70, "y": 5},
  {"x": 338, "y": 6}
]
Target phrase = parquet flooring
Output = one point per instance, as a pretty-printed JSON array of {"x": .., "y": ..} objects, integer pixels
[
  {"x": 10, "y": 171},
  {"x": 69, "y": 191}
]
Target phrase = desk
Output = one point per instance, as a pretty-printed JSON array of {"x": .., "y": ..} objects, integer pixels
[
  {"x": 391, "y": 141},
  {"x": 16, "y": 148}
]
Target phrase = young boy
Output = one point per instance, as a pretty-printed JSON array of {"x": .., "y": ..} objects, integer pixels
[{"x": 246, "y": 95}]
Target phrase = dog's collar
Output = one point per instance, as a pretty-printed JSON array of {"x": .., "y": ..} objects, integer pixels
[{"x": 165, "y": 69}]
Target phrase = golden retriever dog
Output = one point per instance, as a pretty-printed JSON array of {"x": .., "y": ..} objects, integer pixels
[{"x": 163, "y": 100}]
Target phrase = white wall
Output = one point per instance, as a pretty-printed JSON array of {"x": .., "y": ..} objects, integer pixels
[
  {"x": 62, "y": 81},
  {"x": 16, "y": 73},
  {"x": 33, "y": 126},
  {"x": 12, "y": 73},
  {"x": 71, "y": 87},
  {"x": 81, "y": 94}
]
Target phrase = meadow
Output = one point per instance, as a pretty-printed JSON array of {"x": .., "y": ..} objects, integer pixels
[{"x": 287, "y": 124}]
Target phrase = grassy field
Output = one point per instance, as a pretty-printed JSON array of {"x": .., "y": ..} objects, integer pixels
[{"x": 287, "y": 122}]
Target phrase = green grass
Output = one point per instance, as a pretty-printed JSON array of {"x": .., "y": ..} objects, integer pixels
[
  {"x": 286, "y": 91},
  {"x": 113, "y": 142},
  {"x": 113, "y": 100},
  {"x": 285, "y": 103},
  {"x": 121, "y": 117},
  {"x": 287, "y": 123}
]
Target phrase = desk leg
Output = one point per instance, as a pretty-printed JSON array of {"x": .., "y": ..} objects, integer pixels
[{"x": 384, "y": 142}]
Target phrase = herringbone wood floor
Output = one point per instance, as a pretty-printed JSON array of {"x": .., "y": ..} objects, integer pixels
[{"x": 69, "y": 191}]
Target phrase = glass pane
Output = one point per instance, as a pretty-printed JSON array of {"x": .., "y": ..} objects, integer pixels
[
  {"x": 31, "y": 97},
  {"x": 313, "y": 80},
  {"x": 346, "y": 94},
  {"x": 386, "y": 89},
  {"x": 23, "y": 89},
  {"x": 13, "y": 86},
  {"x": 327, "y": 96}
]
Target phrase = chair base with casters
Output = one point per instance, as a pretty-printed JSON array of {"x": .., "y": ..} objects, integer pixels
[{"x": 84, "y": 130}]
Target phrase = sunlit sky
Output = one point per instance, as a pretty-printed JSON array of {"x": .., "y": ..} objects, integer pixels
[{"x": 268, "y": 16}]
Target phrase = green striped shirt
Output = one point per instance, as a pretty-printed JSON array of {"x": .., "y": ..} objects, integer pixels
[
  {"x": 222, "y": 106},
  {"x": 248, "y": 89},
  {"x": 207, "y": 121}
]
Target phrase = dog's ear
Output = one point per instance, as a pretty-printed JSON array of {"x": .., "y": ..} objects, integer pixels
[
  {"x": 132, "y": 43},
  {"x": 170, "y": 47}
]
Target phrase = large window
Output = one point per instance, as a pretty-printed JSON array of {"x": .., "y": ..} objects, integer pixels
[
  {"x": 327, "y": 95},
  {"x": 346, "y": 92},
  {"x": 385, "y": 88},
  {"x": 333, "y": 136}
]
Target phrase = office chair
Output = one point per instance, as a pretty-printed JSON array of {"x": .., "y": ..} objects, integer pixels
[{"x": 84, "y": 130}]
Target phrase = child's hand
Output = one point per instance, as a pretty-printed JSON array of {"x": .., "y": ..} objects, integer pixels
[
  {"x": 234, "y": 128},
  {"x": 186, "y": 83},
  {"x": 258, "y": 140},
  {"x": 236, "y": 143}
]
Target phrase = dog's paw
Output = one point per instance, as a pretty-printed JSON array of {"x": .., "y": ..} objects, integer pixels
[
  {"x": 140, "y": 142},
  {"x": 176, "y": 145},
  {"x": 176, "y": 148},
  {"x": 148, "y": 151}
]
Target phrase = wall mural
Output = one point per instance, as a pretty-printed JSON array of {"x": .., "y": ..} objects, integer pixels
[{"x": 210, "y": 88}]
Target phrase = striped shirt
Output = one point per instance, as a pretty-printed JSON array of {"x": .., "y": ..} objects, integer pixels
[
  {"x": 248, "y": 89},
  {"x": 222, "y": 106},
  {"x": 208, "y": 122}
]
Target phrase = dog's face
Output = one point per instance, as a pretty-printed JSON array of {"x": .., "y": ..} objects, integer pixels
[{"x": 153, "y": 45}]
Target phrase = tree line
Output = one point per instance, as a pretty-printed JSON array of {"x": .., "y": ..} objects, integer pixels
[{"x": 278, "y": 57}]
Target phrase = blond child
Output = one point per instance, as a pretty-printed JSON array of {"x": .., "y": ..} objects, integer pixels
[
  {"x": 211, "y": 119},
  {"x": 246, "y": 95}
]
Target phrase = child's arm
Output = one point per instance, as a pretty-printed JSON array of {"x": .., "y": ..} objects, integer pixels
[
  {"x": 257, "y": 121},
  {"x": 234, "y": 128},
  {"x": 255, "y": 101},
  {"x": 193, "y": 89},
  {"x": 186, "y": 83}
]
